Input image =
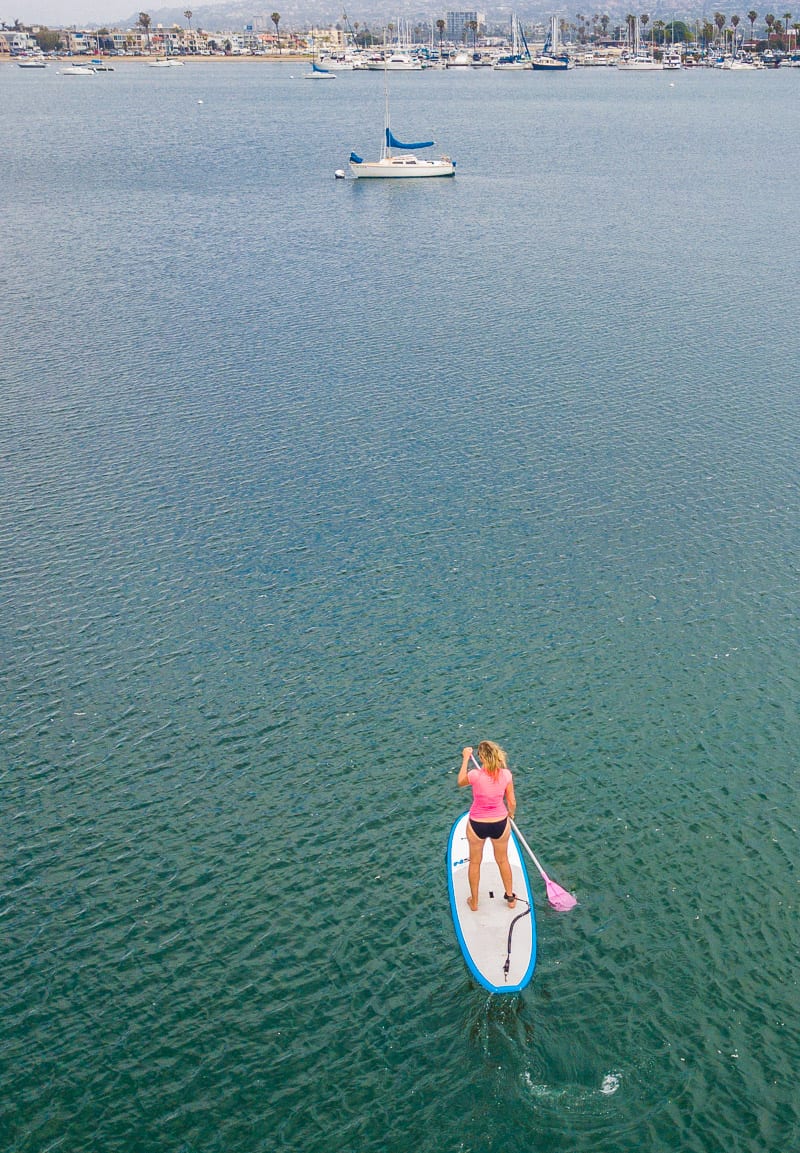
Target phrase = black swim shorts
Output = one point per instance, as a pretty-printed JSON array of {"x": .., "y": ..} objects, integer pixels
[{"x": 493, "y": 829}]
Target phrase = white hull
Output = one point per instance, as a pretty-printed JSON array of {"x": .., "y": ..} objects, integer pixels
[
  {"x": 550, "y": 64},
  {"x": 402, "y": 167},
  {"x": 643, "y": 65},
  {"x": 77, "y": 70},
  {"x": 397, "y": 63}
]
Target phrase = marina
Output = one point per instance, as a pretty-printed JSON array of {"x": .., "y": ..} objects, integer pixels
[{"x": 309, "y": 483}]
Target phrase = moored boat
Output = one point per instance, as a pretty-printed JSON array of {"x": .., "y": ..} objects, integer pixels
[
  {"x": 319, "y": 73},
  {"x": 396, "y": 160},
  {"x": 552, "y": 58}
]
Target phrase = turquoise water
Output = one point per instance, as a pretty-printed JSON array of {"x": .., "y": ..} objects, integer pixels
[{"x": 308, "y": 483}]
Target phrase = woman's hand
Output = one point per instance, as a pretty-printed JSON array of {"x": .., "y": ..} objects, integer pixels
[{"x": 463, "y": 772}]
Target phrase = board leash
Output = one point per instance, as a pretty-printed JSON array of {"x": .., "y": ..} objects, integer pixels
[{"x": 518, "y": 917}]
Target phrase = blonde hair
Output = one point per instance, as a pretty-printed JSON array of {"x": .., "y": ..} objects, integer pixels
[{"x": 493, "y": 758}]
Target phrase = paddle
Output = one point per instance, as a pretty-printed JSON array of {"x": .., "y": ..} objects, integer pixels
[{"x": 559, "y": 898}]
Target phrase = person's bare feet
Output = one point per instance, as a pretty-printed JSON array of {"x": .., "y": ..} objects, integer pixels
[
  {"x": 472, "y": 906},
  {"x": 512, "y": 900}
]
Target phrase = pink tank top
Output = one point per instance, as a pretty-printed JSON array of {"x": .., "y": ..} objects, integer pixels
[{"x": 487, "y": 794}]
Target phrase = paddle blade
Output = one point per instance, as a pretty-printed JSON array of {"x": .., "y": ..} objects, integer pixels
[{"x": 559, "y": 898}]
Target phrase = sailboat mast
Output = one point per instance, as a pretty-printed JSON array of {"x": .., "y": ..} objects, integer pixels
[{"x": 385, "y": 150}]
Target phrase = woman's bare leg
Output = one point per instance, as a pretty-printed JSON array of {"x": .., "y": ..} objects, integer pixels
[
  {"x": 474, "y": 872},
  {"x": 500, "y": 847}
]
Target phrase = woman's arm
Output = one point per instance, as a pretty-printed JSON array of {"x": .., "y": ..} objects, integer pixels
[
  {"x": 463, "y": 772},
  {"x": 510, "y": 799}
]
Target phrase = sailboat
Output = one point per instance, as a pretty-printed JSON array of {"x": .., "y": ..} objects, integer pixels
[
  {"x": 515, "y": 60},
  {"x": 404, "y": 165},
  {"x": 550, "y": 59},
  {"x": 318, "y": 72},
  {"x": 635, "y": 58}
]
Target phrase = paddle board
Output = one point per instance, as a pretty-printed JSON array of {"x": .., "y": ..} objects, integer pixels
[{"x": 484, "y": 935}]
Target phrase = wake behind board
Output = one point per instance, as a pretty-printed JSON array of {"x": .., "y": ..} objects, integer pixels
[{"x": 484, "y": 935}]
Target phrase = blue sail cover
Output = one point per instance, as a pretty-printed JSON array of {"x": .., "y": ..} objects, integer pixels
[{"x": 393, "y": 142}]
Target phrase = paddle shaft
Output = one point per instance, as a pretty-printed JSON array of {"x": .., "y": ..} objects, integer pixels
[{"x": 531, "y": 853}]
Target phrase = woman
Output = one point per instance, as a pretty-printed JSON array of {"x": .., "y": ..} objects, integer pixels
[{"x": 493, "y": 803}]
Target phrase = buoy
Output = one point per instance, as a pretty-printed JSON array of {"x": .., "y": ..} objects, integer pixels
[{"x": 339, "y": 174}]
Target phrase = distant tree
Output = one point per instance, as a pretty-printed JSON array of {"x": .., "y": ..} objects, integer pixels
[
  {"x": 734, "y": 25},
  {"x": 644, "y": 20},
  {"x": 440, "y": 25},
  {"x": 188, "y": 15},
  {"x": 720, "y": 22},
  {"x": 473, "y": 27},
  {"x": 605, "y": 20},
  {"x": 276, "y": 19},
  {"x": 786, "y": 18},
  {"x": 752, "y": 16},
  {"x": 48, "y": 41},
  {"x": 144, "y": 24},
  {"x": 679, "y": 32},
  {"x": 769, "y": 20}
]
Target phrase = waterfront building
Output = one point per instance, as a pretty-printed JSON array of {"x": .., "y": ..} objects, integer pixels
[{"x": 457, "y": 24}]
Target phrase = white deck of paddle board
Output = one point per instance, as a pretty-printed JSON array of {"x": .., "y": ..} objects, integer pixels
[{"x": 483, "y": 936}]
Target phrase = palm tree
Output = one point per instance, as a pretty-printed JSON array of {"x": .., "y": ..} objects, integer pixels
[
  {"x": 644, "y": 20},
  {"x": 630, "y": 20},
  {"x": 276, "y": 19},
  {"x": 473, "y": 27},
  {"x": 188, "y": 15},
  {"x": 769, "y": 20},
  {"x": 787, "y": 41},
  {"x": 752, "y": 17},
  {"x": 440, "y": 25},
  {"x": 719, "y": 20},
  {"x": 604, "y": 20},
  {"x": 144, "y": 24}
]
